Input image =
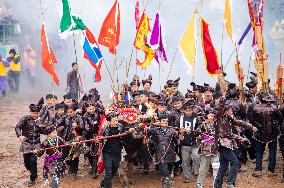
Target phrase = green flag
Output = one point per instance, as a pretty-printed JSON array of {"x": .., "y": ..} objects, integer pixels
[
  {"x": 78, "y": 24},
  {"x": 69, "y": 22},
  {"x": 66, "y": 17}
]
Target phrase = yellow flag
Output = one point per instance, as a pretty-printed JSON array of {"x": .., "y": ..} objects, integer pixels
[
  {"x": 188, "y": 41},
  {"x": 228, "y": 18},
  {"x": 141, "y": 42}
]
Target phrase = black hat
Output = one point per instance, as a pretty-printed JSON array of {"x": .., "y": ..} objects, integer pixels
[
  {"x": 67, "y": 96},
  {"x": 176, "y": 98},
  {"x": 251, "y": 84},
  {"x": 232, "y": 91},
  {"x": 12, "y": 51},
  {"x": 59, "y": 106},
  {"x": 269, "y": 98},
  {"x": 189, "y": 94},
  {"x": 254, "y": 75},
  {"x": 208, "y": 88},
  {"x": 49, "y": 129},
  {"x": 149, "y": 80},
  {"x": 173, "y": 83},
  {"x": 49, "y": 96},
  {"x": 189, "y": 104},
  {"x": 34, "y": 108},
  {"x": 135, "y": 81},
  {"x": 144, "y": 92},
  {"x": 264, "y": 97},
  {"x": 196, "y": 87},
  {"x": 88, "y": 104},
  {"x": 162, "y": 103},
  {"x": 163, "y": 116},
  {"x": 111, "y": 115},
  {"x": 134, "y": 94}
]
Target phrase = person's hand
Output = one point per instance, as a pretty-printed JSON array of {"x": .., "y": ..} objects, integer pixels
[
  {"x": 182, "y": 130},
  {"x": 35, "y": 151},
  {"x": 254, "y": 129},
  {"x": 97, "y": 140},
  {"x": 242, "y": 139},
  {"x": 74, "y": 125},
  {"x": 22, "y": 139},
  {"x": 87, "y": 127},
  {"x": 131, "y": 130}
]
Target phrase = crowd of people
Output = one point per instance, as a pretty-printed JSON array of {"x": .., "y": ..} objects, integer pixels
[
  {"x": 207, "y": 129},
  {"x": 9, "y": 25},
  {"x": 12, "y": 69}
]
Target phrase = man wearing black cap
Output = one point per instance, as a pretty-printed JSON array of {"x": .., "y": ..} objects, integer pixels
[
  {"x": 198, "y": 94},
  {"x": 28, "y": 131},
  {"x": 268, "y": 120},
  {"x": 14, "y": 71},
  {"x": 147, "y": 83},
  {"x": 251, "y": 93},
  {"x": 188, "y": 123},
  {"x": 208, "y": 94}
]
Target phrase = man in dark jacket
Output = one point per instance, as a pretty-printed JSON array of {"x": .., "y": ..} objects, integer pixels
[
  {"x": 91, "y": 121},
  {"x": 165, "y": 140},
  {"x": 73, "y": 84},
  {"x": 28, "y": 131},
  {"x": 268, "y": 119},
  {"x": 112, "y": 148},
  {"x": 225, "y": 125}
]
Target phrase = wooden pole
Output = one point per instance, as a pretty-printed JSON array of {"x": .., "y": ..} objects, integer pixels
[{"x": 172, "y": 63}]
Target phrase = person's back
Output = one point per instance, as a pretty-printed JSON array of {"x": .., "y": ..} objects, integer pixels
[{"x": 267, "y": 118}]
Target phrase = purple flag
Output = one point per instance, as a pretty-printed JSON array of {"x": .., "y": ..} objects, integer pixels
[
  {"x": 156, "y": 40},
  {"x": 244, "y": 34},
  {"x": 155, "y": 33},
  {"x": 161, "y": 50}
]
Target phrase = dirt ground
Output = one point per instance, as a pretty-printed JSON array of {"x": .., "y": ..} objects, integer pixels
[{"x": 13, "y": 173}]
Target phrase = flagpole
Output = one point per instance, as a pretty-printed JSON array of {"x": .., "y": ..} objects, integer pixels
[
  {"x": 229, "y": 59},
  {"x": 172, "y": 63},
  {"x": 160, "y": 75},
  {"x": 222, "y": 40},
  {"x": 196, "y": 42}
]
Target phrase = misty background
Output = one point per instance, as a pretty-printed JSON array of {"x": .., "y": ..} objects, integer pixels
[{"x": 174, "y": 14}]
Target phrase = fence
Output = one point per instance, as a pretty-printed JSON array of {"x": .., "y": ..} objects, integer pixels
[{"x": 13, "y": 32}]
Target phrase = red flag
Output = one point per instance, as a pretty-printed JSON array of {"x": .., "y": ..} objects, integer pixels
[
  {"x": 137, "y": 14},
  {"x": 110, "y": 31},
  {"x": 48, "y": 57},
  {"x": 210, "y": 54}
]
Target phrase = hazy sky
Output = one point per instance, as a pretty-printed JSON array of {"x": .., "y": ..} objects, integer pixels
[{"x": 175, "y": 15}]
